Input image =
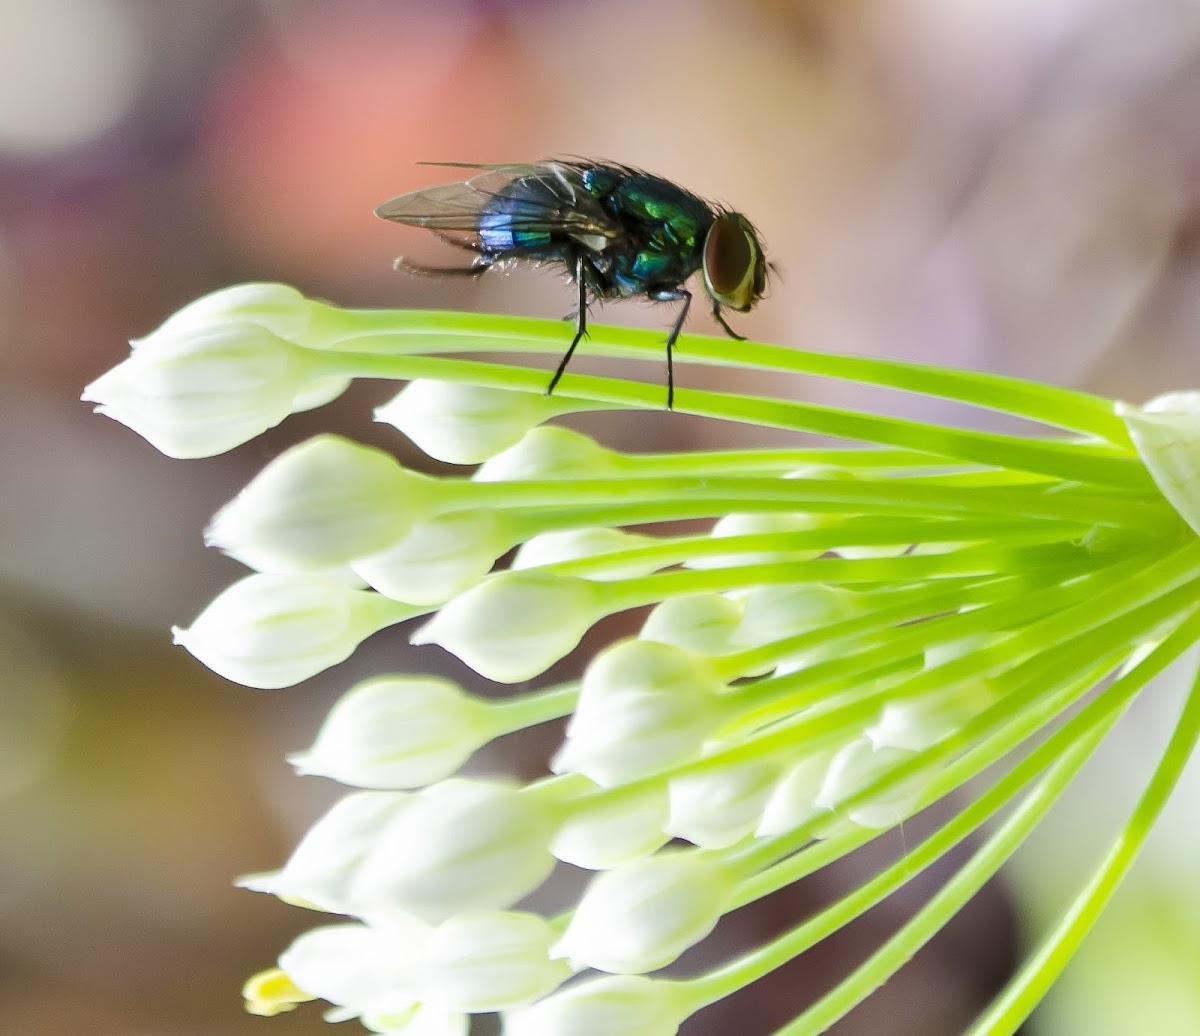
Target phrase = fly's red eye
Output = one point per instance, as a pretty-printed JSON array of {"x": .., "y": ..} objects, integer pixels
[
  {"x": 727, "y": 255},
  {"x": 732, "y": 261}
]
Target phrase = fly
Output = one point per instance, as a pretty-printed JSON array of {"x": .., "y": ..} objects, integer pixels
[{"x": 618, "y": 232}]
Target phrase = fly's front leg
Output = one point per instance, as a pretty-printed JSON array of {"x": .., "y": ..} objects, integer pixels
[
  {"x": 720, "y": 319},
  {"x": 580, "y": 325},
  {"x": 673, "y": 295}
]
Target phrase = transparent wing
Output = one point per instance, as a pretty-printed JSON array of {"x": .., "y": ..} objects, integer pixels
[{"x": 545, "y": 196}]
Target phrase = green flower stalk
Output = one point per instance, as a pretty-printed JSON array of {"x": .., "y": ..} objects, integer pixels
[{"x": 858, "y": 632}]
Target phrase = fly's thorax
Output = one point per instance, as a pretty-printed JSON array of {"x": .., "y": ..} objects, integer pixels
[{"x": 734, "y": 266}]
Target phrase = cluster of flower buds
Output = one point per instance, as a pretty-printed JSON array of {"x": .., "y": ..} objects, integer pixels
[{"x": 857, "y": 633}]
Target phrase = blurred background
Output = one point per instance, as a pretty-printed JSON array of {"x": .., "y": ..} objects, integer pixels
[{"x": 1001, "y": 184}]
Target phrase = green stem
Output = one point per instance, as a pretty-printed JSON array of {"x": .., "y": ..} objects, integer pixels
[
  {"x": 1075, "y": 616},
  {"x": 899, "y": 949},
  {"x": 1085, "y": 462},
  {"x": 528, "y": 710},
  {"x": 880, "y": 497},
  {"x": 949, "y": 900},
  {"x": 421, "y": 331},
  {"x": 906, "y": 569},
  {"x": 1030, "y": 984},
  {"x": 1067, "y": 750},
  {"x": 779, "y": 460},
  {"x": 813, "y": 728},
  {"x": 887, "y": 609},
  {"x": 827, "y": 536}
]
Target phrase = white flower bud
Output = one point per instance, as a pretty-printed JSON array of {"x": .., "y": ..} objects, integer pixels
[
  {"x": 549, "y": 548},
  {"x": 772, "y": 613},
  {"x": 609, "y": 833},
  {"x": 364, "y": 969},
  {"x": 321, "y": 867},
  {"x": 205, "y": 390},
  {"x": 643, "y": 707},
  {"x": 462, "y": 845},
  {"x": 792, "y": 802},
  {"x": 418, "y": 1020},
  {"x": 490, "y": 960},
  {"x": 717, "y": 808},
  {"x": 859, "y": 764},
  {"x": 551, "y": 452},
  {"x": 754, "y": 524},
  {"x": 438, "y": 558},
  {"x": 917, "y": 723},
  {"x": 627, "y": 1004},
  {"x": 397, "y": 732},
  {"x": 320, "y": 504},
  {"x": 514, "y": 625},
  {"x": 276, "y": 630},
  {"x": 279, "y": 308},
  {"x": 703, "y": 623},
  {"x": 641, "y": 916},
  {"x": 1166, "y": 434},
  {"x": 464, "y": 424}
]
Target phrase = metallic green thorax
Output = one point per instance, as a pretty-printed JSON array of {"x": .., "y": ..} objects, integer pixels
[{"x": 664, "y": 228}]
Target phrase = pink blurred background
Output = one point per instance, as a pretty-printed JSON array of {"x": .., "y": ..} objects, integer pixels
[{"x": 1003, "y": 185}]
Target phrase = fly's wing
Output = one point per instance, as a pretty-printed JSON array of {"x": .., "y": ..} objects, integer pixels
[{"x": 541, "y": 197}]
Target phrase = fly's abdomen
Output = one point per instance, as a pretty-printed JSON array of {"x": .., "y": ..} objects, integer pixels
[{"x": 514, "y": 221}]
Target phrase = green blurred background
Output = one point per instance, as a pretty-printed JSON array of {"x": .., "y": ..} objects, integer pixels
[{"x": 1002, "y": 184}]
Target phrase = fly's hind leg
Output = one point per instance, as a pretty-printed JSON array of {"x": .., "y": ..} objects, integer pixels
[
  {"x": 580, "y": 317},
  {"x": 479, "y": 266}
]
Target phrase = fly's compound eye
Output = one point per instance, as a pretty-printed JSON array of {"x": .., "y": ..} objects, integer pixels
[{"x": 734, "y": 270}]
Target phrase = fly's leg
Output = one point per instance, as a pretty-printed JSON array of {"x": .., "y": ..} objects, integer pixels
[
  {"x": 478, "y": 267},
  {"x": 673, "y": 295},
  {"x": 716, "y": 311},
  {"x": 580, "y": 325}
]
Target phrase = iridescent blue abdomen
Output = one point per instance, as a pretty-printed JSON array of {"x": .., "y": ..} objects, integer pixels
[{"x": 507, "y": 222}]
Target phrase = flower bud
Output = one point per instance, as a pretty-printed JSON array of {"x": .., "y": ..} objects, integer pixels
[
  {"x": 772, "y": 613},
  {"x": 1166, "y": 433},
  {"x": 205, "y": 390},
  {"x": 917, "y": 723},
  {"x": 397, "y": 732},
  {"x": 418, "y": 1020},
  {"x": 490, "y": 960},
  {"x": 321, "y": 504},
  {"x": 319, "y": 871},
  {"x": 702, "y": 622},
  {"x": 600, "y": 836},
  {"x": 717, "y": 808},
  {"x": 548, "y": 453},
  {"x": 754, "y": 524},
  {"x": 792, "y": 801},
  {"x": 549, "y": 548},
  {"x": 364, "y": 969},
  {"x": 279, "y": 308},
  {"x": 604, "y": 1006},
  {"x": 439, "y": 558},
  {"x": 641, "y": 916},
  {"x": 276, "y": 630},
  {"x": 464, "y": 424},
  {"x": 514, "y": 625},
  {"x": 461, "y": 845},
  {"x": 643, "y": 707},
  {"x": 859, "y": 764}
]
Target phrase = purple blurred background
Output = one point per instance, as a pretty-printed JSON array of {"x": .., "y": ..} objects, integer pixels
[{"x": 1003, "y": 185}]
